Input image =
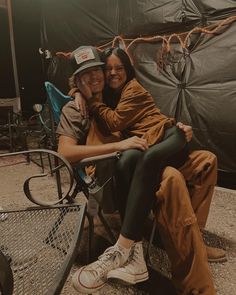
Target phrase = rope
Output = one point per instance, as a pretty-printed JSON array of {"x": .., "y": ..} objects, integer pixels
[{"x": 182, "y": 38}]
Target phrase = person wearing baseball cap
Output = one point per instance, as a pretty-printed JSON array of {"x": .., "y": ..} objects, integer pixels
[
  {"x": 74, "y": 129},
  {"x": 87, "y": 69}
]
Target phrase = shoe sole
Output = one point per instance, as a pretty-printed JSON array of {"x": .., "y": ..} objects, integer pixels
[
  {"x": 127, "y": 279},
  {"x": 82, "y": 288}
]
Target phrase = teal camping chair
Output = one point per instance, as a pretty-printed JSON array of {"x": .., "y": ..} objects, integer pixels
[
  {"x": 55, "y": 102},
  {"x": 56, "y": 99},
  {"x": 49, "y": 115}
]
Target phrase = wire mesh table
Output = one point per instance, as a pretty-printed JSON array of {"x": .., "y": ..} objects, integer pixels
[{"x": 40, "y": 243}]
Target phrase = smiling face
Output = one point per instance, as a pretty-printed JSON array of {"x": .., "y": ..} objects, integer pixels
[
  {"x": 115, "y": 73},
  {"x": 93, "y": 77}
]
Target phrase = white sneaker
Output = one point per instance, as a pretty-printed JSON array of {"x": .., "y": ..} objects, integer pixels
[
  {"x": 134, "y": 270},
  {"x": 90, "y": 278},
  {"x": 3, "y": 216}
]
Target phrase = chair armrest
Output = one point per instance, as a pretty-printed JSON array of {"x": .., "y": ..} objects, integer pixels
[
  {"x": 95, "y": 159},
  {"x": 54, "y": 169}
]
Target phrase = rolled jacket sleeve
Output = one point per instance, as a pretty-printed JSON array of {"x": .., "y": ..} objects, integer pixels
[{"x": 134, "y": 103}]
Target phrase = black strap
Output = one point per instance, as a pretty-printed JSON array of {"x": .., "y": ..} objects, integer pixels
[{"x": 6, "y": 276}]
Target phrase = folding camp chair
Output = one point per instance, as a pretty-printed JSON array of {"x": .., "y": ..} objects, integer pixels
[
  {"x": 84, "y": 183},
  {"x": 56, "y": 100},
  {"x": 91, "y": 189}
]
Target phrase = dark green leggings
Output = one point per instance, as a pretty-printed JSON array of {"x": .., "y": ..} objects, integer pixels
[{"x": 138, "y": 178}]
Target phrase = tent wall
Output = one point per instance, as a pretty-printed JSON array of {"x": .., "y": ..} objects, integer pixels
[
  {"x": 67, "y": 24},
  {"x": 197, "y": 86}
]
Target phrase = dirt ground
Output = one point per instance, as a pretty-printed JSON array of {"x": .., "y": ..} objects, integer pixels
[{"x": 220, "y": 231}]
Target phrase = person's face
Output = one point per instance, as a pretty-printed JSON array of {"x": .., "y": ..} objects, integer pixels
[
  {"x": 115, "y": 73},
  {"x": 93, "y": 77}
]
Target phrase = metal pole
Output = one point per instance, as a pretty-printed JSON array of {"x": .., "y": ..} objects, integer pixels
[{"x": 13, "y": 54}]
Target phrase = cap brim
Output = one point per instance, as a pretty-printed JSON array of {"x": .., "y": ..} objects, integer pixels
[{"x": 90, "y": 65}]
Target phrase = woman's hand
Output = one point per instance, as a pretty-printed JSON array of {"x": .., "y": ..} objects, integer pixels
[
  {"x": 84, "y": 89},
  {"x": 133, "y": 142},
  {"x": 187, "y": 130},
  {"x": 81, "y": 104}
]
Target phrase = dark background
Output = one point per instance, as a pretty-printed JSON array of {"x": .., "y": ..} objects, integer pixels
[{"x": 197, "y": 86}]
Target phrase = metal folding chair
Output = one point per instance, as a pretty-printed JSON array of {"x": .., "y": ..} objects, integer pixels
[{"x": 40, "y": 243}]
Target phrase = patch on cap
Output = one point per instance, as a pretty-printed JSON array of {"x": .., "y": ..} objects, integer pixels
[{"x": 83, "y": 55}]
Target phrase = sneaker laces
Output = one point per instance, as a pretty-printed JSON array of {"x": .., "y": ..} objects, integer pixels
[
  {"x": 132, "y": 256},
  {"x": 111, "y": 257},
  {"x": 136, "y": 252}
]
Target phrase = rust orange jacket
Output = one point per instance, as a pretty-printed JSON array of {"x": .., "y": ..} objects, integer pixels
[{"x": 135, "y": 114}]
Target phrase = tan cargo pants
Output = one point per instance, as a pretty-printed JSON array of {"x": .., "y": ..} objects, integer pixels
[{"x": 184, "y": 200}]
